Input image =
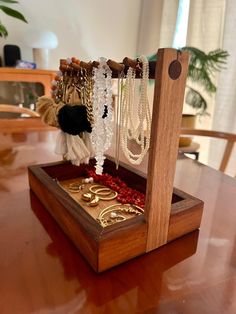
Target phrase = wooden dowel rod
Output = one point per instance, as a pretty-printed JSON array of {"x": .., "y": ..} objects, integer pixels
[
  {"x": 62, "y": 67},
  {"x": 95, "y": 64},
  {"x": 75, "y": 66},
  {"x": 152, "y": 68},
  {"x": 130, "y": 62},
  {"x": 75, "y": 60},
  {"x": 86, "y": 65},
  {"x": 65, "y": 67},
  {"x": 115, "y": 66},
  {"x": 62, "y": 61}
]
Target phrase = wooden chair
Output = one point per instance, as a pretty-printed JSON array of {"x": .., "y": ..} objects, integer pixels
[
  {"x": 229, "y": 137},
  {"x": 16, "y": 109},
  {"x": 22, "y": 124}
]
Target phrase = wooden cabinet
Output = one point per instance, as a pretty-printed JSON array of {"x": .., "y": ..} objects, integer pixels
[
  {"x": 24, "y": 75},
  {"x": 23, "y": 86}
]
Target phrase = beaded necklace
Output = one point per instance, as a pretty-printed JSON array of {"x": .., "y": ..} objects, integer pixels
[
  {"x": 128, "y": 129},
  {"x": 126, "y": 195},
  {"x": 102, "y": 131}
]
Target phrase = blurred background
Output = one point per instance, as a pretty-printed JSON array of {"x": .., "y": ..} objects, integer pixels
[{"x": 89, "y": 29}]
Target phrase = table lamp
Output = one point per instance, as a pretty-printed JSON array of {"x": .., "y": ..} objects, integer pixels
[{"x": 41, "y": 41}]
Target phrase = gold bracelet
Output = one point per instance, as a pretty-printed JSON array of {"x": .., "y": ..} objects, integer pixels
[
  {"x": 115, "y": 213},
  {"x": 75, "y": 187},
  {"x": 99, "y": 189},
  {"x": 109, "y": 198}
]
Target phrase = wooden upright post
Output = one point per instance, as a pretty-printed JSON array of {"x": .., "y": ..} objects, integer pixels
[{"x": 171, "y": 73}]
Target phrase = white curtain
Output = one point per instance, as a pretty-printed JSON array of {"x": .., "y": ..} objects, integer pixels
[
  {"x": 205, "y": 30},
  {"x": 158, "y": 21},
  {"x": 206, "y": 20},
  {"x": 225, "y": 109},
  {"x": 156, "y": 25},
  {"x": 205, "y": 27}
]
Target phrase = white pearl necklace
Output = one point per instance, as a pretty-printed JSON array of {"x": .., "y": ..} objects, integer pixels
[
  {"x": 102, "y": 131},
  {"x": 128, "y": 129}
]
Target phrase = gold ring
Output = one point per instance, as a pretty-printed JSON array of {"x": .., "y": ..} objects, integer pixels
[
  {"x": 109, "y": 198},
  {"x": 94, "y": 201},
  {"x": 87, "y": 197},
  {"x": 75, "y": 186}
]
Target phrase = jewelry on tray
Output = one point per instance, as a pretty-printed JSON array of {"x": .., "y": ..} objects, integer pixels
[
  {"x": 87, "y": 197},
  {"x": 126, "y": 195},
  {"x": 91, "y": 198},
  {"x": 94, "y": 200},
  {"x": 87, "y": 180},
  {"x": 117, "y": 212},
  {"x": 75, "y": 187},
  {"x": 100, "y": 190},
  {"x": 104, "y": 193}
]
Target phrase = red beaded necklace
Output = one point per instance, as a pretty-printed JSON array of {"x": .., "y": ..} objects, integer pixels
[{"x": 126, "y": 195}]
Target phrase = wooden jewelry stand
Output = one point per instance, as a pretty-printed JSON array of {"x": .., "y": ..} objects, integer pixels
[{"x": 169, "y": 213}]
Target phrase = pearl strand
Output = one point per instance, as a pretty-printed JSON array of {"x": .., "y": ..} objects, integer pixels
[
  {"x": 102, "y": 131},
  {"x": 128, "y": 130}
]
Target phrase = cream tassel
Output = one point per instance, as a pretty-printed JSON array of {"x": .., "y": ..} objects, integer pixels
[
  {"x": 61, "y": 144},
  {"x": 77, "y": 151},
  {"x": 87, "y": 141},
  {"x": 48, "y": 110}
]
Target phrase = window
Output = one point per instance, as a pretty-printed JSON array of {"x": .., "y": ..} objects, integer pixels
[{"x": 181, "y": 27}]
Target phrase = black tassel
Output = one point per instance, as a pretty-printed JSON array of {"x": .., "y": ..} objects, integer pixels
[{"x": 73, "y": 119}]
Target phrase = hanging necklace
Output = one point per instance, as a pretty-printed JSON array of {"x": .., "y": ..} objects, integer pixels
[
  {"x": 102, "y": 131},
  {"x": 128, "y": 129},
  {"x": 118, "y": 117}
]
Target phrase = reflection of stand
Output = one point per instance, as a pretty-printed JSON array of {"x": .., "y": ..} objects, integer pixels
[{"x": 143, "y": 269}]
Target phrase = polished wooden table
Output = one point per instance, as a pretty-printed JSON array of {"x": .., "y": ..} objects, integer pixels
[{"x": 42, "y": 272}]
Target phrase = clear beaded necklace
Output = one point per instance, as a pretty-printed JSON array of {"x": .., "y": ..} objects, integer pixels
[{"x": 102, "y": 131}]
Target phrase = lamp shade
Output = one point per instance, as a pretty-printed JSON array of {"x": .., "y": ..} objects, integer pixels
[{"x": 39, "y": 38}]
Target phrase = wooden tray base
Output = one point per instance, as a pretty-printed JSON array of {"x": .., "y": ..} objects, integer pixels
[{"x": 106, "y": 247}]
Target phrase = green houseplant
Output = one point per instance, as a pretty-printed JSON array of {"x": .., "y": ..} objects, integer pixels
[
  {"x": 201, "y": 71},
  {"x": 200, "y": 81},
  {"x": 11, "y": 12}
]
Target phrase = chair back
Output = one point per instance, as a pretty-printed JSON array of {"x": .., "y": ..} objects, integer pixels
[
  {"x": 32, "y": 123},
  {"x": 16, "y": 109},
  {"x": 229, "y": 137}
]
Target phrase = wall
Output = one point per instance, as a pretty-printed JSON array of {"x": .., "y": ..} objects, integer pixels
[{"x": 87, "y": 29}]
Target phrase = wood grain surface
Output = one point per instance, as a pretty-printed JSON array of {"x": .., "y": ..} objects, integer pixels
[
  {"x": 164, "y": 141},
  {"x": 41, "y": 271},
  {"x": 78, "y": 220},
  {"x": 22, "y": 125}
]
